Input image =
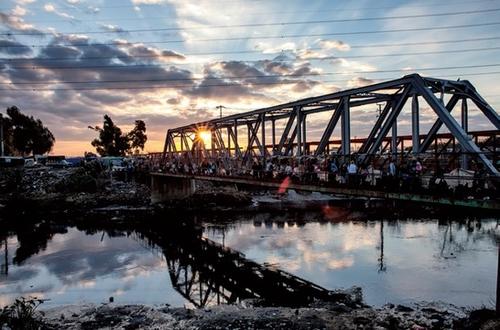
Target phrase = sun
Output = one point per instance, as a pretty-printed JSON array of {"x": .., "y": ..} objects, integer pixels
[{"x": 205, "y": 136}]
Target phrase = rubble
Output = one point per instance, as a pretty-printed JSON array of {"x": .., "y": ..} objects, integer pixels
[
  {"x": 418, "y": 316},
  {"x": 69, "y": 188}
]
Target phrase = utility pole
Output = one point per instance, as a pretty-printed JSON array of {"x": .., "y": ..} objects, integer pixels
[
  {"x": 379, "y": 109},
  {"x": 220, "y": 107},
  {"x": 1, "y": 136}
]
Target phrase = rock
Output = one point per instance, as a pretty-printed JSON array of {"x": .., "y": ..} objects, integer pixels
[
  {"x": 401, "y": 308},
  {"x": 361, "y": 320}
]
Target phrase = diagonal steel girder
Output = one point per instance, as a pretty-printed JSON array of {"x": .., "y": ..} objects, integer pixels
[
  {"x": 391, "y": 118},
  {"x": 481, "y": 103},
  {"x": 452, "y": 124},
  {"x": 329, "y": 128},
  {"x": 168, "y": 138},
  {"x": 235, "y": 141},
  {"x": 375, "y": 128},
  {"x": 286, "y": 131},
  {"x": 437, "y": 125},
  {"x": 289, "y": 146},
  {"x": 253, "y": 129}
]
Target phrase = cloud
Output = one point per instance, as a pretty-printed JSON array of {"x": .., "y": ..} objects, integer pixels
[
  {"x": 16, "y": 23},
  {"x": 270, "y": 48},
  {"x": 25, "y": 2},
  {"x": 12, "y": 47},
  {"x": 148, "y": 53},
  {"x": 121, "y": 66},
  {"x": 92, "y": 10},
  {"x": 148, "y": 2},
  {"x": 334, "y": 44},
  {"x": 359, "y": 82},
  {"x": 112, "y": 28},
  {"x": 18, "y": 11},
  {"x": 50, "y": 8},
  {"x": 353, "y": 65},
  {"x": 212, "y": 87}
]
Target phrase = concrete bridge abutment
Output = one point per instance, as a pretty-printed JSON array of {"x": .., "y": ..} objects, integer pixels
[{"x": 167, "y": 188}]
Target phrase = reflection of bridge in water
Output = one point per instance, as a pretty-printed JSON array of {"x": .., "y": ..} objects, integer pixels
[
  {"x": 202, "y": 271},
  {"x": 206, "y": 273}
]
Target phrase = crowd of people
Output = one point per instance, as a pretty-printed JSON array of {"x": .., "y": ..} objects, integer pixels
[{"x": 399, "y": 176}]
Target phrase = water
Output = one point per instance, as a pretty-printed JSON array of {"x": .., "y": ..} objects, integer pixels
[
  {"x": 398, "y": 261},
  {"x": 75, "y": 267}
]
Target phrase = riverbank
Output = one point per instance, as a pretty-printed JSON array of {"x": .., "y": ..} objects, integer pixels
[
  {"x": 245, "y": 316},
  {"x": 90, "y": 187}
]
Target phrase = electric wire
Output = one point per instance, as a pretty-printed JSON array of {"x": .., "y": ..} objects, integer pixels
[
  {"x": 232, "y": 26},
  {"x": 159, "y": 56},
  {"x": 231, "y": 84},
  {"x": 316, "y": 35},
  {"x": 410, "y": 6}
]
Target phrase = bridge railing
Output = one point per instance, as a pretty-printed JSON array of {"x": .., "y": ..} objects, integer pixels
[{"x": 408, "y": 178}]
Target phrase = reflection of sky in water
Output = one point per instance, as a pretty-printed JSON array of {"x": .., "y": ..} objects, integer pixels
[
  {"x": 421, "y": 261},
  {"x": 77, "y": 268}
]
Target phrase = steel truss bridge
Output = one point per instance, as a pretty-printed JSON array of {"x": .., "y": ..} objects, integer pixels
[{"x": 288, "y": 130}]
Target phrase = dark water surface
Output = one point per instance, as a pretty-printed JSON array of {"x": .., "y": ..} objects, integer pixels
[{"x": 396, "y": 261}]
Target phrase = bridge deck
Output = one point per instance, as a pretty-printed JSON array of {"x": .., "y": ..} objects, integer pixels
[{"x": 490, "y": 204}]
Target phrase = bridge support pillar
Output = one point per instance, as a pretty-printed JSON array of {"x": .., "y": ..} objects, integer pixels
[
  {"x": 299, "y": 130},
  {"x": 464, "y": 162},
  {"x": 394, "y": 140},
  {"x": 415, "y": 127},
  {"x": 166, "y": 188},
  {"x": 345, "y": 127},
  {"x": 304, "y": 136}
]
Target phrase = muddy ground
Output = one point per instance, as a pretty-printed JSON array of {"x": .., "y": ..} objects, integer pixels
[{"x": 324, "y": 316}]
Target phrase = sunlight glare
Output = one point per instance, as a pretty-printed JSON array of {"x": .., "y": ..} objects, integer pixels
[{"x": 205, "y": 136}]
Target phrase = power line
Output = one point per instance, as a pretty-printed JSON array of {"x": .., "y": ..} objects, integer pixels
[
  {"x": 469, "y": 12},
  {"x": 238, "y": 3},
  {"x": 127, "y": 56},
  {"x": 265, "y": 13},
  {"x": 130, "y": 44},
  {"x": 236, "y": 77},
  {"x": 424, "y": 42}
]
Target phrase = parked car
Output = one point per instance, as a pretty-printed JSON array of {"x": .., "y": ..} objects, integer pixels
[
  {"x": 57, "y": 161},
  {"x": 10, "y": 161}
]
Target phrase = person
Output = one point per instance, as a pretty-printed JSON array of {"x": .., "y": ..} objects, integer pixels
[
  {"x": 288, "y": 170},
  {"x": 392, "y": 169},
  {"x": 332, "y": 175},
  {"x": 418, "y": 168},
  {"x": 269, "y": 170},
  {"x": 352, "y": 171}
]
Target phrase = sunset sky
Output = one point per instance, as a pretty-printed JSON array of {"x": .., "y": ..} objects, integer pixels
[{"x": 171, "y": 62}]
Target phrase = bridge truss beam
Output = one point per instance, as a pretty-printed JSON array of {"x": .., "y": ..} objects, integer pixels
[{"x": 288, "y": 125}]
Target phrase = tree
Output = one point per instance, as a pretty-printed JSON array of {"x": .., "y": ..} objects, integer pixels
[
  {"x": 138, "y": 136},
  {"x": 25, "y": 135},
  {"x": 112, "y": 142}
]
